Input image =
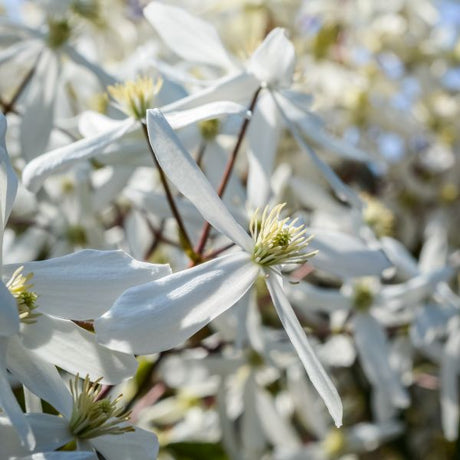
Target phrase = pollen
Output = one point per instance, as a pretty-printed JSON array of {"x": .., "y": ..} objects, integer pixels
[
  {"x": 278, "y": 240},
  {"x": 92, "y": 417},
  {"x": 136, "y": 96},
  {"x": 21, "y": 289}
]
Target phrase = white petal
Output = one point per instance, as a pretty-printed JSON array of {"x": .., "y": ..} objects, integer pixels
[
  {"x": 253, "y": 438},
  {"x": 262, "y": 150},
  {"x": 92, "y": 124},
  {"x": 237, "y": 88},
  {"x": 184, "y": 173},
  {"x": 85, "y": 284},
  {"x": 60, "y": 456},
  {"x": 345, "y": 256},
  {"x": 64, "y": 157},
  {"x": 38, "y": 118},
  {"x": 450, "y": 371},
  {"x": 276, "y": 427},
  {"x": 316, "y": 132},
  {"x": 50, "y": 431},
  {"x": 435, "y": 248},
  {"x": 104, "y": 78},
  {"x": 416, "y": 289},
  {"x": 18, "y": 48},
  {"x": 75, "y": 350},
  {"x": 10, "y": 406},
  {"x": 140, "y": 444},
  {"x": 399, "y": 255},
  {"x": 162, "y": 314},
  {"x": 310, "y": 413},
  {"x": 343, "y": 191},
  {"x": 189, "y": 37},
  {"x": 307, "y": 297},
  {"x": 374, "y": 352},
  {"x": 38, "y": 376},
  {"x": 294, "y": 330},
  {"x": 8, "y": 179},
  {"x": 180, "y": 119},
  {"x": 274, "y": 60},
  {"x": 9, "y": 317}
]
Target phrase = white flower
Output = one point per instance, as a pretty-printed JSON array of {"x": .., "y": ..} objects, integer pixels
[
  {"x": 38, "y": 302},
  {"x": 271, "y": 67},
  {"x": 162, "y": 314},
  {"x": 133, "y": 97},
  {"x": 95, "y": 424}
]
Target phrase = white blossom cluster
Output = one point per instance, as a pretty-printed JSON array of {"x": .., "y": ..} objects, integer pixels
[{"x": 229, "y": 229}]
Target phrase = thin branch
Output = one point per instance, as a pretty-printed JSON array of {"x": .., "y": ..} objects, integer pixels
[{"x": 184, "y": 238}]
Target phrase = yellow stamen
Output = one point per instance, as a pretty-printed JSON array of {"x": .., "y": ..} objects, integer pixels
[
  {"x": 21, "y": 290},
  {"x": 278, "y": 241},
  {"x": 92, "y": 417},
  {"x": 135, "y": 97}
]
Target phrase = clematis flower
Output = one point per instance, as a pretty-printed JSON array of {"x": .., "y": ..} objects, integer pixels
[
  {"x": 93, "y": 423},
  {"x": 132, "y": 98},
  {"x": 38, "y": 302},
  {"x": 164, "y": 313},
  {"x": 271, "y": 67}
]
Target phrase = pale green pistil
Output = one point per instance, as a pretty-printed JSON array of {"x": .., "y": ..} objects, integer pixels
[
  {"x": 92, "y": 417},
  {"x": 278, "y": 241},
  {"x": 21, "y": 289}
]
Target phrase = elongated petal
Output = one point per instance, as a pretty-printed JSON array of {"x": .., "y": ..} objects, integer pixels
[
  {"x": 190, "y": 180},
  {"x": 315, "y": 370},
  {"x": 450, "y": 371},
  {"x": 237, "y": 88},
  {"x": 75, "y": 350},
  {"x": 14, "y": 51},
  {"x": 307, "y": 297},
  {"x": 253, "y": 438},
  {"x": 315, "y": 131},
  {"x": 403, "y": 260},
  {"x": 85, "y": 284},
  {"x": 64, "y": 157},
  {"x": 262, "y": 150},
  {"x": 38, "y": 376},
  {"x": 105, "y": 79},
  {"x": 189, "y": 37},
  {"x": 343, "y": 191},
  {"x": 274, "y": 60},
  {"x": 60, "y": 456},
  {"x": 9, "y": 317},
  {"x": 140, "y": 444},
  {"x": 10, "y": 406},
  {"x": 416, "y": 289},
  {"x": 50, "y": 432},
  {"x": 8, "y": 179},
  {"x": 162, "y": 314},
  {"x": 38, "y": 117},
  {"x": 91, "y": 123},
  {"x": 346, "y": 256},
  {"x": 217, "y": 109},
  {"x": 373, "y": 351}
]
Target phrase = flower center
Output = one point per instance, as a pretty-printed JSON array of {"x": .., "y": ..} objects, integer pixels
[
  {"x": 135, "y": 97},
  {"x": 92, "y": 417},
  {"x": 209, "y": 129},
  {"x": 59, "y": 31},
  {"x": 278, "y": 241},
  {"x": 378, "y": 216},
  {"x": 21, "y": 290},
  {"x": 363, "y": 295}
]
